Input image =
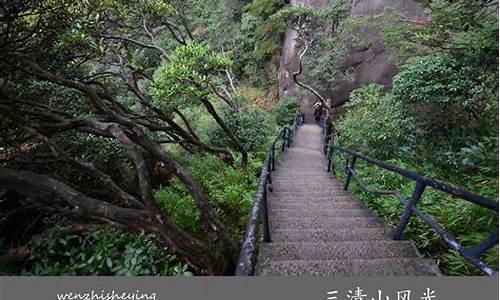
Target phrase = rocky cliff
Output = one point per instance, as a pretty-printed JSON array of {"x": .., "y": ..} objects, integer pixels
[{"x": 371, "y": 64}]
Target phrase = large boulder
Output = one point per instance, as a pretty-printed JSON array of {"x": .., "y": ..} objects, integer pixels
[{"x": 371, "y": 64}]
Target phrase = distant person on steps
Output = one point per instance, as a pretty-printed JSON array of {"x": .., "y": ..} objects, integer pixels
[{"x": 317, "y": 111}]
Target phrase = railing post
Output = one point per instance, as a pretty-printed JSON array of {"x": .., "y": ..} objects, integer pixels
[
  {"x": 349, "y": 169},
  {"x": 273, "y": 155},
  {"x": 265, "y": 218},
  {"x": 405, "y": 217},
  {"x": 325, "y": 144},
  {"x": 289, "y": 138},
  {"x": 329, "y": 154},
  {"x": 332, "y": 153},
  {"x": 284, "y": 139},
  {"x": 269, "y": 178}
]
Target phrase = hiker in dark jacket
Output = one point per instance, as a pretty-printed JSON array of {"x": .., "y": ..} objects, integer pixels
[{"x": 317, "y": 111}]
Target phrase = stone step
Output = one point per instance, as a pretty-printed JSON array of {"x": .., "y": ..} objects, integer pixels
[
  {"x": 320, "y": 178},
  {"x": 298, "y": 174},
  {"x": 272, "y": 252},
  {"x": 288, "y": 192},
  {"x": 325, "y": 236},
  {"x": 312, "y": 213},
  {"x": 321, "y": 205},
  {"x": 306, "y": 161},
  {"x": 297, "y": 150},
  {"x": 306, "y": 181},
  {"x": 354, "y": 267},
  {"x": 297, "y": 168},
  {"x": 317, "y": 228},
  {"x": 325, "y": 223},
  {"x": 309, "y": 190},
  {"x": 310, "y": 198},
  {"x": 320, "y": 184},
  {"x": 310, "y": 205}
]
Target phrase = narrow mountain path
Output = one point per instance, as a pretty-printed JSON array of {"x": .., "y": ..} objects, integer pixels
[{"x": 317, "y": 228}]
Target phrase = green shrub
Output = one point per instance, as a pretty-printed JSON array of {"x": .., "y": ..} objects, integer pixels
[
  {"x": 445, "y": 97},
  {"x": 375, "y": 124},
  {"x": 180, "y": 206},
  {"x": 250, "y": 125},
  {"x": 231, "y": 192},
  {"x": 383, "y": 126},
  {"x": 103, "y": 252},
  {"x": 467, "y": 222},
  {"x": 453, "y": 109},
  {"x": 285, "y": 110},
  {"x": 185, "y": 79}
]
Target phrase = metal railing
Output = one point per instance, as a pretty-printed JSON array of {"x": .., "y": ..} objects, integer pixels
[
  {"x": 471, "y": 254},
  {"x": 258, "y": 213}
]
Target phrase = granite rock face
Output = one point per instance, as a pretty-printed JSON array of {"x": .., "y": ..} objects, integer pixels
[{"x": 372, "y": 64}]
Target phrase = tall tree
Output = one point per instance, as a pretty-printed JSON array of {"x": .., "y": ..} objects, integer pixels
[{"x": 75, "y": 71}]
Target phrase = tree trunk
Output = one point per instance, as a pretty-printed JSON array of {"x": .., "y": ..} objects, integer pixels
[
  {"x": 236, "y": 141},
  {"x": 51, "y": 192}
]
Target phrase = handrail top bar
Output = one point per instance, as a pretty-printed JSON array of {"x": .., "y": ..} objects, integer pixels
[
  {"x": 244, "y": 264},
  {"x": 445, "y": 187}
]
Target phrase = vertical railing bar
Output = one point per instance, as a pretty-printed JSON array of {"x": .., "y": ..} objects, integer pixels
[
  {"x": 325, "y": 144},
  {"x": 332, "y": 154},
  {"x": 269, "y": 176},
  {"x": 288, "y": 138},
  {"x": 349, "y": 170},
  {"x": 265, "y": 218},
  {"x": 273, "y": 155},
  {"x": 284, "y": 139},
  {"x": 407, "y": 213},
  {"x": 329, "y": 156}
]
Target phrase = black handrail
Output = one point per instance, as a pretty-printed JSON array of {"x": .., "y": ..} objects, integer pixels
[
  {"x": 258, "y": 213},
  {"x": 471, "y": 254}
]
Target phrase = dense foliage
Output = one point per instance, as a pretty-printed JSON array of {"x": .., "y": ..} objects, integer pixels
[
  {"x": 133, "y": 114},
  {"x": 141, "y": 126},
  {"x": 251, "y": 126},
  {"x": 245, "y": 31},
  {"x": 104, "y": 252},
  {"x": 286, "y": 110},
  {"x": 440, "y": 119},
  {"x": 376, "y": 123}
]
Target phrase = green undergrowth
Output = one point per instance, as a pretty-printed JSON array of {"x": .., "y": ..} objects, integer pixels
[
  {"x": 102, "y": 252},
  {"x": 230, "y": 190},
  {"x": 467, "y": 222}
]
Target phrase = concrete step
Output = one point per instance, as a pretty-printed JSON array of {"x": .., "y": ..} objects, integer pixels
[
  {"x": 272, "y": 252},
  {"x": 355, "y": 267},
  {"x": 306, "y": 182},
  {"x": 301, "y": 174},
  {"x": 314, "y": 213},
  {"x": 317, "y": 228},
  {"x": 302, "y": 167},
  {"x": 310, "y": 190},
  {"x": 298, "y": 205},
  {"x": 326, "y": 236},
  {"x": 273, "y": 198},
  {"x": 290, "y": 178},
  {"x": 325, "y": 223},
  {"x": 318, "y": 185},
  {"x": 286, "y": 192},
  {"x": 297, "y": 150}
]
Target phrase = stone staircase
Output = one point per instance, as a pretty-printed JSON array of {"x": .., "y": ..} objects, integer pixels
[{"x": 317, "y": 228}]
